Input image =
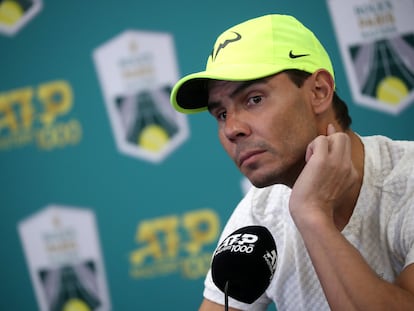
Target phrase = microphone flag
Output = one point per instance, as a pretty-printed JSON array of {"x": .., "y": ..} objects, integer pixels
[{"x": 246, "y": 261}]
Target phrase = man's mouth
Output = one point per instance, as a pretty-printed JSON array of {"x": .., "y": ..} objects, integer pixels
[{"x": 248, "y": 157}]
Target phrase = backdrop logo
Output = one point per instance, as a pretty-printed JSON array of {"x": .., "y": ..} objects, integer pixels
[
  {"x": 64, "y": 258},
  {"x": 136, "y": 72},
  {"x": 38, "y": 115},
  {"x": 174, "y": 243},
  {"x": 376, "y": 39},
  {"x": 14, "y": 14}
]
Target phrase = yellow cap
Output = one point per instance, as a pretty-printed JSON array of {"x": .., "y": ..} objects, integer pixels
[{"x": 252, "y": 50}]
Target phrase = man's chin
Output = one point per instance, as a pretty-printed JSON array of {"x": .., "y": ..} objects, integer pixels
[{"x": 262, "y": 181}]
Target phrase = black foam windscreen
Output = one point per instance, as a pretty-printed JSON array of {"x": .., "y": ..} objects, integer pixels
[{"x": 246, "y": 261}]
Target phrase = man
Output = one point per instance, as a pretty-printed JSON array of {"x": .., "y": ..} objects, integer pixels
[{"x": 339, "y": 206}]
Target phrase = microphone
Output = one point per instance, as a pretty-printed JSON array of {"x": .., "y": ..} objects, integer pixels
[{"x": 244, "y": 263}]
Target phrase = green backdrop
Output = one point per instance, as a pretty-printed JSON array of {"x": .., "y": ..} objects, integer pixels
[{"x": 78, "y": 164}]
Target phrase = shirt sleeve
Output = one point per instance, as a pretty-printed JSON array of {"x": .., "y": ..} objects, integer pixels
[
  {"x": 408, "y": 235},
  {"x": 408, "y": 216}
]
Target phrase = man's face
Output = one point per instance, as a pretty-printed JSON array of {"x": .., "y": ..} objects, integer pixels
[{"x": 264, "y": 126}]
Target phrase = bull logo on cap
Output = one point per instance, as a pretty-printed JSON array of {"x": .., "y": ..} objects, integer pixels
[{"x": 224, "y": 44}]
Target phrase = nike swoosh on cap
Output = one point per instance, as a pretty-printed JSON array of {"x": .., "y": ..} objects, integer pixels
[{"x": 291, "y": 55}]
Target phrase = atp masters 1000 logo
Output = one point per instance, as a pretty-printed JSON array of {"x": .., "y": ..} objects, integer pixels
[
  {"x": 172, "y": 244},
  {"x": 38, "y": 115}
]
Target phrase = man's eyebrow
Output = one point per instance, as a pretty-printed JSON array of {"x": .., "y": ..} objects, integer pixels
[
  {"x": 244, "y": 85},
  {"x": 212, "y": 105}
]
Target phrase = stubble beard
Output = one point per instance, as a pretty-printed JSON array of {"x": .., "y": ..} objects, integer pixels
[{"x": 286, "y": 175}]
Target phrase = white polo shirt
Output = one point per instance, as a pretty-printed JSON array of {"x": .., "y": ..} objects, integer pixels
[{"x": 381, "y": 228}]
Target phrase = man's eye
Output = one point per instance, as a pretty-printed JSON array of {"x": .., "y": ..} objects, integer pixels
[
  {"x": 255, "y": 100},
  {"x": 221, "y": 116}
]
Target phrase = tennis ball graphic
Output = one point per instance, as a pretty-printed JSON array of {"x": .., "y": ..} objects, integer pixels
[
  {"x": 391, "y": 90},
  {"x": 75, "y": 304},
  {"x": 153, "y": 138},
  {"x": 10, "y": 12}
]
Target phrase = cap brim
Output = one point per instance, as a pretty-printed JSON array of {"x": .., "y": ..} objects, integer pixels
[{"x": 190, "y": 94}]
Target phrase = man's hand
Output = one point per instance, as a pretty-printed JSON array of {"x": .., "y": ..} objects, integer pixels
[
  {"x": 327, "y": 189},
  {"x": 325, "y": 179}
]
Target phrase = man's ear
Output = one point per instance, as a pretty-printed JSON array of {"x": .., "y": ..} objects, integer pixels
[{"x": 322, "y": 90}]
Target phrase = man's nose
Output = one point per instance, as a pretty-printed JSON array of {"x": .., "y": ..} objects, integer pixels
[{"x": 236, "y": 126}]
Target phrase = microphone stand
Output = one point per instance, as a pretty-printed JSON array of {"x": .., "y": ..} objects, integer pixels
[{"x": 226, "y": 297}]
